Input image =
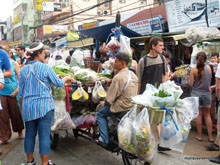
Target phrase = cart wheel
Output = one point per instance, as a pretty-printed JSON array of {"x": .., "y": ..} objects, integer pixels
[
  {"x": 76, "y": 133},
  {"x": 129, "y": 159},
  {"x": 54, "y": 139}
]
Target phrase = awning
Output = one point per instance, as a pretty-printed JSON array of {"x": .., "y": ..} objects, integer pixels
[
  {"x": 101, "y": 33},
  {"x": 174, "y": 36}
]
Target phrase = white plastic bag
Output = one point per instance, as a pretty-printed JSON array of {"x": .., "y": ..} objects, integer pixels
[
  {"x": 125, "y": 45},
  {"x": 77, "y": 58},
  {"x": 125, "y": 131},
  {"x": 98, "y": 92},
  {"x": 62, "y": 118},
  {"x": 145, "y": 143}
]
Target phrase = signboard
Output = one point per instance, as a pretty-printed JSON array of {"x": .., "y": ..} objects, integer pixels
[
  {"x": 57, "y": 7},
  {"x": 146, "y": 26},
  {"x": 81, "y": 43},
  {"x": 55, "y": 29},
  {"x": 184, "y": 14},
  {"x": 48, "y": 6},
  {"x": 61, "y": 41},
  {"x": 12, "y": 43},
  {"x": 38, "y": 4}
]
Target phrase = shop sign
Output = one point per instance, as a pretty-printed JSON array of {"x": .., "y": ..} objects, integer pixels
[
  {"x": 38, "y": 4},
  {"x": 57, "y": 7},
  {"x": 188, "y": 13},
  {"x": 55, "y": 29},
  {"x": 81, "y": 43},
  {"x": 61, "y": 41},
  {"x": 48, "y": 6},
  {"x": 146, "y": 26},
  {"x": 89, "y": 25},
  {"x": 12, "y": 43}
]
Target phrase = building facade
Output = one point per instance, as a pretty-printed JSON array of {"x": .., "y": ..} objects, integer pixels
[{"x": 22, "y": 21}]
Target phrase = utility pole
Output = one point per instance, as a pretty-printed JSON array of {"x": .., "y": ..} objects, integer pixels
[
  {"x": 22, "y": 28},
  {"x": 71, "y": 7}
]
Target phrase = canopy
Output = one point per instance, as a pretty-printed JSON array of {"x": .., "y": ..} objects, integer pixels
[{"x": 101, "y": 33}]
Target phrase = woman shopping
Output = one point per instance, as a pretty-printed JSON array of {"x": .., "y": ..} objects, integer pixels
[
  {"x": 37, "y": 102},
  {"x": 10, "y": 106},
  {"x": 200, "y": 81}
]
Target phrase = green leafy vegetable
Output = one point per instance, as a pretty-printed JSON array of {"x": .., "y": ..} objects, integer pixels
[
  {"x": 58, "y": 92},
  {"x": 105, "y": 75},
  {"x": 162, "y": 93}
]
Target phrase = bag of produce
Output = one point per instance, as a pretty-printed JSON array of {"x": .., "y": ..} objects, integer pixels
[
  {"x": 80, "y": 94},
  {"x": 125, "y": 131},
  {"x": 125, "y": 47},
  {"x": 78, "y": 120},
  {"x": 58, "y": 92},
  {"x": 98, "y": 92},
  {"x": 145, "y": 144},
  {"x": 62, "y": 118},
  {"x": 85, "y": 75},
  {"x": 114, "y": 46}
]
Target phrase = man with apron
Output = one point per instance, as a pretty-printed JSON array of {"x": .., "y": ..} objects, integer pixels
[
  {"x": 124, "y": 85},
  {"x": 152, "y": 69}
]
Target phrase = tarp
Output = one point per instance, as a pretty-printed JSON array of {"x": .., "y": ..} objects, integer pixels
[{"x": 101, "y": 33}]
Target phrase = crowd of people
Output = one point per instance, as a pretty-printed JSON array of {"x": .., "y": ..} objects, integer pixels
[{"x": 26, "y": 98}]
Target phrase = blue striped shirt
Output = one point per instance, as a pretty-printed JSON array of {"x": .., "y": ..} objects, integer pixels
[
  {"x": 37, "y": 99},
  {"x": 2, "y": 82}
]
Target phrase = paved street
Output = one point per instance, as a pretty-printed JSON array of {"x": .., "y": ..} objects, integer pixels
[{"x": 83, "y": 152}]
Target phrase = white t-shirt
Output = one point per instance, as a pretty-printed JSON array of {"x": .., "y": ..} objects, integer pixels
[{"x": 217, "y": 74}]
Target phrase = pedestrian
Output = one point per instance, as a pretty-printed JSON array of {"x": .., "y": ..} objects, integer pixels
[
  {"x": 168, "y": 55},
  {"x": 200, "y": 81},
  {"x": 134, "y": 65},
  {"x": 21, "y": 52},
  {"x": 37, "y": 103},
  {"x": 10, "y": 106},
  {"x": 215, "y": 146},
  {"x": 5, "y": 64},
  {"x": 16, "y": 56},
  {"x": 152, "y": 69},
  {"x": 47, "y": 56}
]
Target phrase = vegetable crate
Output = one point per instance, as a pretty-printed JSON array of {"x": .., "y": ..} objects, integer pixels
[{"x": 155, "y": 115}]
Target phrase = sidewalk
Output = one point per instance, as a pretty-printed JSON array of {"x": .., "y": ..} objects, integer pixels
[{"x": 83, "y": 152}]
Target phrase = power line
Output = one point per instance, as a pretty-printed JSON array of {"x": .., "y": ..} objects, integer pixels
[
  {"x": 109, "y": 14},
  {"x": 87, "y": 9},
  {"x": 106, "y": 14}
]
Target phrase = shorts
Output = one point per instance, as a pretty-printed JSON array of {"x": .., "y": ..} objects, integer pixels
[{"x": 205, "y": 101}]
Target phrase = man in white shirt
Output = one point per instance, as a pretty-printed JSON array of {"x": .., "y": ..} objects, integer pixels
[{"x": 215, "y": 146}]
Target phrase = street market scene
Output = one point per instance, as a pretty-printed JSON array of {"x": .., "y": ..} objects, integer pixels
[{"x": 114, "y": 82}]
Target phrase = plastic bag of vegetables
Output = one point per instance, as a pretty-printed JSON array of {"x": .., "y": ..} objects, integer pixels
[
  {"x": 62, "y": 118},
  {"x": 98, "y": 92},
  {"x": 85, "y": 75},
  {"x": 125, "y": 131},
  {"x": 58, "y": 92},
  {"x": 144, "y": 140},
  {"x": 166, "y": 95},
  {"x": 80, "y": 94}
]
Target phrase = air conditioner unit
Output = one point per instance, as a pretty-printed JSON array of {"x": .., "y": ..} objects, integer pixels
[
  {"x": 99, "y": 13},
  {"x": 106, "y": 12}
]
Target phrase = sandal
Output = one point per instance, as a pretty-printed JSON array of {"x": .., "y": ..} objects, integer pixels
[
  {"x": 32, "y": 162},
  {"x": 198, "y": 139},
  {"x": 212, "y": 147},
  {"x": 50, "y": 163},
  {"x": 211, "y": 141}
]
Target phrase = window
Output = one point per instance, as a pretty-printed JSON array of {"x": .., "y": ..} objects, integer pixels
[
  {"x": 106, "y": 5},
  {"x": 122, "y": 1}
]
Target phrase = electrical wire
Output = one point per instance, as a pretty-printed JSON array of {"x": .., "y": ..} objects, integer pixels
[
  {"x": 99, "y": 15},
  {"x": 108, "y": 14}
]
